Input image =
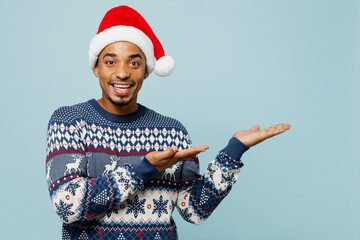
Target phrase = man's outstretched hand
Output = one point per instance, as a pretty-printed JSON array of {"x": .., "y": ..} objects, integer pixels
[
  {"x": 163, "y": 160},
  {"x": 254, "y": 135}
]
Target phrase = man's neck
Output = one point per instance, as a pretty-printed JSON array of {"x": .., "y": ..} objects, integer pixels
[{"x": 118, "y": 110}]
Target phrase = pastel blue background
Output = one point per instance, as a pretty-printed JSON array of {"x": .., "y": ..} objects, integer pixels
[{"x": 239, "y": 63}]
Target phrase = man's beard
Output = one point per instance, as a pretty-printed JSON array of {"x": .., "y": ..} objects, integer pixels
[{"x": 120, "y": 103}]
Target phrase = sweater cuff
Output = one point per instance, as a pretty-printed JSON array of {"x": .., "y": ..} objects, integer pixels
[
  {"x": 144, "y": 169},
  {"x": 235, "y": 148}
]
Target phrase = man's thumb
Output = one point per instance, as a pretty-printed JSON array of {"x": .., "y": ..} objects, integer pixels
[
  {"x": 168, "y": 152},
  {"x": 254, "y": 128}
]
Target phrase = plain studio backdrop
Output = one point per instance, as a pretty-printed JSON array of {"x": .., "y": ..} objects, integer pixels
[{"x": 238, "y": 63}]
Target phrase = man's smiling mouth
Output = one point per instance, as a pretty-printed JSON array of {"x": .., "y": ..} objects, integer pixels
[
  {"x": 122, "y": 86},
  {"x": 122, "y": 89}
]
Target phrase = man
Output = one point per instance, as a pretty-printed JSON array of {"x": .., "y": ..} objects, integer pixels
[{"x": 116, "y": 169}]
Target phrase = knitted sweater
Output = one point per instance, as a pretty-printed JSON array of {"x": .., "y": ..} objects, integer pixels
[{"x": 102, "y": 186}]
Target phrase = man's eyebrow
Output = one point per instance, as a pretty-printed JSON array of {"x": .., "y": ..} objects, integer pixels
[
  {"x": 109, "y": 55},
  {"x": 114, "y": 55},
  {"x": 135, "y": 56}
]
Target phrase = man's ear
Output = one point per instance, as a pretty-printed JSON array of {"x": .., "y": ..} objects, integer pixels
[
  {"x": 146, "y": 74},
  {"x": 96, "y": 70}
]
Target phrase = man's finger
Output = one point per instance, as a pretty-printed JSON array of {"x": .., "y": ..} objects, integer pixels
[
  {"x": 193, "y": 151},
  {"x": 274, "y": 130},
  {"x": 186, "y": 154}
]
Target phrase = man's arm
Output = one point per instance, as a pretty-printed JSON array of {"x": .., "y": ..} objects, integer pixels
[
  {"x": 74, "y": 195},
  {"x": 197, "y": 200}
]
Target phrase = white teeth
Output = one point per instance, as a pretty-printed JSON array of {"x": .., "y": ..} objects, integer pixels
[{"x": 121, "y": 86}]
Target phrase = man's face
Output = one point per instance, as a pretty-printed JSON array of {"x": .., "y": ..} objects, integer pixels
[{"x": 121, "y": 70}]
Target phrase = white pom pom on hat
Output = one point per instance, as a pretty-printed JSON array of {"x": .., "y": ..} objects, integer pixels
[
  {"x": 126, "y": 24},
  {"x": 164, "y": 66}
]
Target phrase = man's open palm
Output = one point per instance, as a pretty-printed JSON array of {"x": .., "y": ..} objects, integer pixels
[
  {"x": 164, "y": 159},
  {"x": 254, "y": 135}
]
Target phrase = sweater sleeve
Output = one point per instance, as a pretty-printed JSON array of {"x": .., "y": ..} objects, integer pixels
[
  {"x": 198, "y": 199},
  {"x": 74, "y": 195}
]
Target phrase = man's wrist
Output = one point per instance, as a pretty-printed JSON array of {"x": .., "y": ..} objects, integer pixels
[
  {"x": 144, "y": 169},
  {"x": 235, "y": 148}
]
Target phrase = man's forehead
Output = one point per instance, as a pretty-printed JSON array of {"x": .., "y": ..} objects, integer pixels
[{"x": 122, "y": 47}]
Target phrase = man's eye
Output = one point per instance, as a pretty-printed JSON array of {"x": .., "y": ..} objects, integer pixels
[
  {"x": 110, "y": 62},
  {"x": 134, "y": 64}
]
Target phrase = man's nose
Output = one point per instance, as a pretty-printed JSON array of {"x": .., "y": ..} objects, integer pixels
[{"x": 122, "y": 71}]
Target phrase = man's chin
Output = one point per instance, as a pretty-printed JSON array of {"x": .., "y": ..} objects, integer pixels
[{"x": 120, "y": 102}]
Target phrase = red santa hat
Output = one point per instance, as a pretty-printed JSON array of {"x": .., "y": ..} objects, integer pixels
[{"x": 125, "y": 24}]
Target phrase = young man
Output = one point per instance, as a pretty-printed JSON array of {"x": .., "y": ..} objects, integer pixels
[{"x": 116, "y": 169}]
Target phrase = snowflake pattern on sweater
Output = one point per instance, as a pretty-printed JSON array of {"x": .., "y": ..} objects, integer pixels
[
  {"x": 160, "y": 206},
  {"x": 102, "y": 186},
  {"x": 64, "y": 210},
  {"x": 136, "y": 206}
]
